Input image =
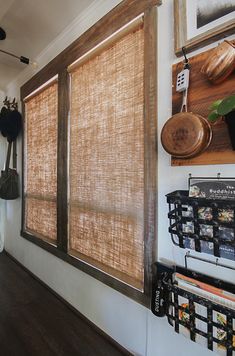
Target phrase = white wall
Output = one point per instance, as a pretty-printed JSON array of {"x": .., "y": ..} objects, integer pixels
[
  {"x": 2, "y": 202},
  {"x": 130, "y": 324}
]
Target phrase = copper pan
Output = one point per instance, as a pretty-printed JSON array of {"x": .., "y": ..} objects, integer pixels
[
  {"x": 186, "y": 135},
  {"x": 220, "y": 62}
]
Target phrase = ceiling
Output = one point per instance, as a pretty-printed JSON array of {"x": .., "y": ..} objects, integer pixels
[{"x": 30, "y": 26}]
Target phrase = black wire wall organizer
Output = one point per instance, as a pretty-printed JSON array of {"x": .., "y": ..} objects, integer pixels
[
  {"x": 203, "y": 225},
  {"x": 196, "y": 316},
  {"x": 196, "y": 305}
]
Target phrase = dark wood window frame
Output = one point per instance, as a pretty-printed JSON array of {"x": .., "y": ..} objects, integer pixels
[{"x": 121, "y": 15}]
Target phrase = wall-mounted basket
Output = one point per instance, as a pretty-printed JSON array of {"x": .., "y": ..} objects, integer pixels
[
  {"x": 204, "y": 225},
  {"x": 202, "y": 320}
]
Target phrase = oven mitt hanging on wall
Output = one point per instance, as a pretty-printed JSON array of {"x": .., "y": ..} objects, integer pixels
[{"x": 9, "y": 180}]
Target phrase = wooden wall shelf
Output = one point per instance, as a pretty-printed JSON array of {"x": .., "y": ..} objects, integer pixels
[{"x": 201, "y": 94}]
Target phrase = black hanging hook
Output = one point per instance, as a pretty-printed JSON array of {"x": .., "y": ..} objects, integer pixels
[
  {"x": 6, "y": 102},
  {"x": 186, "y": 61},
  {"x": 14, "y": 104}
]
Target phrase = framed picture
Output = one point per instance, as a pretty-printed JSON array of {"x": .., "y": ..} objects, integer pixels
[{"x": 200, "y": 22}]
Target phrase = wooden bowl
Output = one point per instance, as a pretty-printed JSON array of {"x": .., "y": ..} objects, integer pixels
[
  {"x": 220, "y": 62},
  {"x": 186, "y": 135}
]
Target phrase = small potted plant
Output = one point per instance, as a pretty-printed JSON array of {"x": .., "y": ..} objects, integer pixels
[{"x": 225, "y": 108}]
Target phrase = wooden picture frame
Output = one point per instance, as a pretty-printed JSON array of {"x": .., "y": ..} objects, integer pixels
[{"x": 199, "y": 33}]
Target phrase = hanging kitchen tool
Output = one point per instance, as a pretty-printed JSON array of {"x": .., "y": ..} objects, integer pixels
[
  {"x": 185, "y": 134},
  {"x": 220, "y": 62}
]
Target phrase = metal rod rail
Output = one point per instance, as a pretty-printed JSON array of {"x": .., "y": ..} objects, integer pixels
[{"x": 216, "y": 263}]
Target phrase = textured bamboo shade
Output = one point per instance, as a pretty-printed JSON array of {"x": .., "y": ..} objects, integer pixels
[
  {"x": 135, "y": 24},
  {"x": 106, "y": 217},
  {"x": 41, "y": 163}
]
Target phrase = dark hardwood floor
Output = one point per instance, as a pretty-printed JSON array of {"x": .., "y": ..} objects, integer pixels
[{"x": 34, "y": 322}]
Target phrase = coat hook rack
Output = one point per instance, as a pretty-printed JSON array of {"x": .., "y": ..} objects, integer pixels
[{"x": 10, "y": 105}]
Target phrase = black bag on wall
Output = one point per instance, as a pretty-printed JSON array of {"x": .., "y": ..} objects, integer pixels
[
  {"x": 9, "y": 180},
  {"x": 10, "y": 123}
]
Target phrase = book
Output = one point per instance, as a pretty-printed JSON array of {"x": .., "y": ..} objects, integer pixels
[
  {"x": 227, "y": 251},
  {"x": 212, "y": 189},
  {"x": 205, "y": 290},
  {"x": 218, "y": 332},
  {"x": 212, "y": 293},
  {"x": 205, "y": 213},
  {"x": 225, "y": 234},
  {"x": 226, "y": 215}
]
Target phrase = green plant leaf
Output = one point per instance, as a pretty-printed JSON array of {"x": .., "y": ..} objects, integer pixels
[
  {"x": 226, "y": 106},
  {"x": 215, "y": 104},
  {"x": 213, "y": 116}
]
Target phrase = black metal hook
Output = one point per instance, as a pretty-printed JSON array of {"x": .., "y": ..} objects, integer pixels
[
  {"x": 186, "y": 61},
  {"x": 6, "y": 102}
]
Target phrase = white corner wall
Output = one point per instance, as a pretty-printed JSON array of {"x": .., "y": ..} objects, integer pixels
[
  {"x": 2, "y": 202},
  {"x": 132, "y": 325}
]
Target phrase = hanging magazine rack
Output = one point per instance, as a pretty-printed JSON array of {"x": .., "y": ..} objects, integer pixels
[
  {"x": 202, "y": 224},
  {"x": 202, "y": 320}
]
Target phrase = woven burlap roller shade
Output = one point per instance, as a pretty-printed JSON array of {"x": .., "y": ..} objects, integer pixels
[
  {"x": 40, "y": 167},
  {"x": 106, "y": 175}
]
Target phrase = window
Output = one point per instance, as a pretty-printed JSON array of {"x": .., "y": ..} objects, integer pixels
[
  {"x": 107, "y": 159},
  {"x": 92, "y": 200},
  {"x": 40, "y": 154}
]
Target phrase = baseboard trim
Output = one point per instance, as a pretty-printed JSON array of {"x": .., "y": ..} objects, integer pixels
[{"x": 73, "y": 309}]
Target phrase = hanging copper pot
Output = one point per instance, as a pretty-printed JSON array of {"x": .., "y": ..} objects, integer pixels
[
  {"x": 220, "y": 62},
  {"x": 186, "y": 135}
]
